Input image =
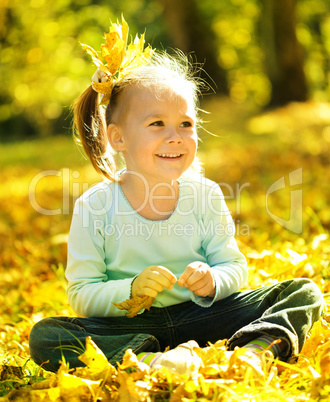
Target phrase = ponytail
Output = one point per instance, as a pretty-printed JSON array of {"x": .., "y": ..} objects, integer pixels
[{"x": 90, "y": 125}]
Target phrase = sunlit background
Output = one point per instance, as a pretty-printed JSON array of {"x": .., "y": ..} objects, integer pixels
[{"x": 43, "y": 69}]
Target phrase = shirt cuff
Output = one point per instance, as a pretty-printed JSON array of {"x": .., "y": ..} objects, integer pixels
[{"x": 206, "y": 301}]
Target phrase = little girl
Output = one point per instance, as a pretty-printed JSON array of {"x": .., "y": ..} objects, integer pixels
[{"x": 157, "y": 228}]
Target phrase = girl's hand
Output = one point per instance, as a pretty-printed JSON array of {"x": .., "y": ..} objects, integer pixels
[
  {"x": 198, "y": 278},
  {"x": 152, "y": 280}
]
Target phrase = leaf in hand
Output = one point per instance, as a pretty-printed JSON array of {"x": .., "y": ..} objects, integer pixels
[{"x": 135, "y": 304}]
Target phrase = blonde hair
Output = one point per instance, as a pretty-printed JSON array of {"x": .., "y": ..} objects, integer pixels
[{"x": 90, "y": 120}]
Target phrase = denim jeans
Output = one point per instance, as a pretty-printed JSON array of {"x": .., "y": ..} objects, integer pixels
[{"x": 286, "y": 310}]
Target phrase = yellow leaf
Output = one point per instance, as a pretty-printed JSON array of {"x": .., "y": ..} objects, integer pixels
[
  {"x": 130, "y": 390},
  {"x": 320, "y": 334},
  {"x": 120, "y": 58},
  {"x": 130, "y": 360},
  {"x": 135, "y": 305},
  {"x": 215, "y": 353},
  {"x": 124, "y": 30},
  {"x": 75, "y": 388},
  {"x": 113, "y": 51},
  {"x": 180, "y": 393},
  {"x": 54, "y": 394},
  {"x": 325, "y": 358},
  {"x": 90, "y": 50},
  {"x": 97, "y": 364},
  {"x": 121, "y": 29},
  {"x": 135, "y": 56},
  {"x": 212, "y": 369},
  {"x": 191, "y": 386},
  {"x": 105, "y": 88}
]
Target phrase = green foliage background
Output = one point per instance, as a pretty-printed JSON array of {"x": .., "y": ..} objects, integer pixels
[{"x": 43, "y": 69}]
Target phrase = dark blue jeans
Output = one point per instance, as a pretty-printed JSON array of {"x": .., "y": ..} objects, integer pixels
[{"x": 285, "y": 311}]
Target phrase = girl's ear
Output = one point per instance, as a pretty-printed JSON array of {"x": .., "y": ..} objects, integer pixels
[{"x": 115, "y": 137}]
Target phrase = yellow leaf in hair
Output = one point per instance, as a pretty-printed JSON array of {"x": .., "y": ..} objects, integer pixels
[
  {"x": 135, "y": 56},
  {"x": 95, "y": 58},
  {"x": 104, "y": 88},
  {"x": 90, "y": 50},
  {"x": 113, "y": 51},
  {"x": 135, "y": 305},
  {"x": 119, "y": 58},
  {"x": 122, "y": 29},
  {"x": 133, "y": 51}
]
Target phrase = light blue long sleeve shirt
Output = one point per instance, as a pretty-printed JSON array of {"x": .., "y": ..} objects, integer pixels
[{"x": 110, "y": 244}]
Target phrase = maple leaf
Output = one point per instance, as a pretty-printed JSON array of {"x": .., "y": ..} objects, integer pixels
[
  {"x": 120, "y": 58},
  {"x": 129, "y": 391},
  {"x": 97, "y": 364},
  {"x": 76, "y": 387},
  {"x": 95, "y": 57},
  {"x": 130, "y": 360},
  {"x": 135, "y": 305},
  {"x": 319, "y": 335},
  {"x": 105, "y": 88},
  {"x": 135, "y": 56},
  {"x": 89, "y": 50}
]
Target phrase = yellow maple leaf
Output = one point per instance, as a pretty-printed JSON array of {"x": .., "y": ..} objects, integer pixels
[
  {"x": 97, "y": 364},
  {"x": 319, "y": 335},
  {"x": 76, "y": 388},
  {"x": 135, "y": 305},
  {"x": 95, "y": 57},
  {"x": 113, "y": 51},
  {"x": 130, "y": 360},
  {"x": 90, "y": 51},
  {"x": 325, "y": 358},
  {"x": 121, "y": 29},
  {"x": 135, "y": 56},
  {"x": 120, "y": 58},
  {"x": 105, "y": 88},
  {"x": 129, "y": 390}
]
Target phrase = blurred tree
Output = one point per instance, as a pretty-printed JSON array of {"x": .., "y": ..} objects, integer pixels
[
  {"x": 43, "y": 69},
  {"x": 284, "y": 61},
  {"x": 191, "y": 32}
]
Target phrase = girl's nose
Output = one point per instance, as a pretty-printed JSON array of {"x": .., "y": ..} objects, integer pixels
[{"x": 173, "y": 136}]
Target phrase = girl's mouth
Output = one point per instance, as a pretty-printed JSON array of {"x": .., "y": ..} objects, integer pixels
[{"x": 169, "y": 155}]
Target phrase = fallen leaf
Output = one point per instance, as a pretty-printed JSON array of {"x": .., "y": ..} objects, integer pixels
[
  {"x": 131, "y": 361},
  {"x": 126, "y": 391},
  {"x": 135, "y": 305},
  {"x": 7, "y": 372}
]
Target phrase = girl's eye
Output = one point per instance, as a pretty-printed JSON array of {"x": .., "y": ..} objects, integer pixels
[
  {"x": 186, "y": 124},
  {"x": 157, "y": 123}
]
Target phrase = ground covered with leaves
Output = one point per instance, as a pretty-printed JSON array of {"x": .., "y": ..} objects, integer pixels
[{"x": 40, "y": 180}]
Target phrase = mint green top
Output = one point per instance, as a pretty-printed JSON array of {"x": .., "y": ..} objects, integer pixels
[{"x": 110, "y": 244}]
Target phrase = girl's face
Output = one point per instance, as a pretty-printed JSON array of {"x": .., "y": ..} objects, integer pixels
[{"x": 157, "y": 135}]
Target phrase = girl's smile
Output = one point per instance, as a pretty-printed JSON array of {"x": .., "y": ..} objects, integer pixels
[{"x": 169, "y": 155}]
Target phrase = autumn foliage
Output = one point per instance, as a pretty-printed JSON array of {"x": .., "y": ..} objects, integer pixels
[{"x": 120, "y": 58}]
